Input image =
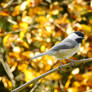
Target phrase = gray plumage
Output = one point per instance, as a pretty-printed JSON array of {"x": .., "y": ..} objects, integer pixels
[{"x": 65, "y": 44}]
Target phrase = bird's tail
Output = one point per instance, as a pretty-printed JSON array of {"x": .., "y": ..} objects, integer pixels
[{"x": 42, "y": 54}]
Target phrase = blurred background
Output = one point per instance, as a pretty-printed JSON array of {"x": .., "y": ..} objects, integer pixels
[{"x": 30, "y": 27}]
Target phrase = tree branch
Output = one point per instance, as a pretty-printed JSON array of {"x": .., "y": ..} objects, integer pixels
[{"x": 61, "y": 68}]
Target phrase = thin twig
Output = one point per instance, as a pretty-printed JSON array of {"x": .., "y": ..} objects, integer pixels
[
  {"x": 61, "y": 86},
  {"x": 10, "y": 20},
  {"x": 19, "y": 30},
  {"x": 61, "y": 68},
  {"x": 37, "y": 84},
  {"x": 57, "y": 25},
  {"x": 7, "y": 69},
  {"x": 8, "y": 4}
]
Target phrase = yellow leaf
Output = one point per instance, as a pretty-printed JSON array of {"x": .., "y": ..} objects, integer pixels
[
  {"x": 21, "y": 35},
  {"x": 22, "y": 67},
  {"x": 87, "y": 28},
  {"x": 43, "y": 48},
  {"x": 41, "y": 19},
  {"x": 16, "y": 11},
  {"x": 54, "y": 76},
  {"x": 5, "y": 40},
  {"x": 30, "y": 74},
  {"x": 3, "y": 13},
  {"x": 7, "y": 83},
  {"x": 25, "y": 45},
  {"x": 73, "y": 89},
  {"x": 68, "y": 82},
  {"x": 76, "y": 84},
  {"x": 11, "y": 62},
  {"x": 24, "y": 25},
  {"x": 15, "y": 26}
]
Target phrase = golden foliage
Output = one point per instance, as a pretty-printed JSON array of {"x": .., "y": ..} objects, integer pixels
[{"x": 34, "y": 27}]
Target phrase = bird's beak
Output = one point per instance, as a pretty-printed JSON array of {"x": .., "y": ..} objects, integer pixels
[{"x": 82, "y": 37}]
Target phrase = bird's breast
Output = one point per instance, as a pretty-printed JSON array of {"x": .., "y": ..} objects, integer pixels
[{"x": 63, "y": 53}]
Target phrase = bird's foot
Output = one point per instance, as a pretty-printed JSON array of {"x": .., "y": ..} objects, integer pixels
[
  {"x": 72, "y": 62},
  {"x": 60, "y": 67}
]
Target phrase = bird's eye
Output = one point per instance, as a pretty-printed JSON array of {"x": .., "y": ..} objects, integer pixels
[{"x": 79, "y": 40}]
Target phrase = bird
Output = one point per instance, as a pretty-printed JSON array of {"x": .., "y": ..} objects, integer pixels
[{"x": 66, "y": 48}]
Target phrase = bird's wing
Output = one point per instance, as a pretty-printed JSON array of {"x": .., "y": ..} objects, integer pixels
[{"x": 65, "y": 44}]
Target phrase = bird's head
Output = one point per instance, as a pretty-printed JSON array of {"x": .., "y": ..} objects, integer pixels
[{"x": 77, "y": 36}]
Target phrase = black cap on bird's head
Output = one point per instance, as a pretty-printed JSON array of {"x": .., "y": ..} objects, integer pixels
[{"x": 80, "y": 36}]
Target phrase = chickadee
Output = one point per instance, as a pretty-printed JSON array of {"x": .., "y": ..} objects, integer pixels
[{"x": 68, "y": 47}]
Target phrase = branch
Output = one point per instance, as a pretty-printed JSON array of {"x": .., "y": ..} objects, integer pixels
[
  {"x": 7, "y": 69},
  {"x": 57, "y": 25},
  {"x": 61, "y": 68},
  {"x": 19, "y": 30},
  {"x": 8, "y": 4}
]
